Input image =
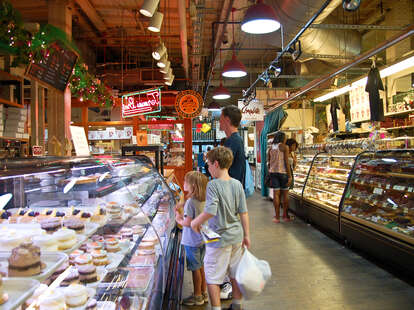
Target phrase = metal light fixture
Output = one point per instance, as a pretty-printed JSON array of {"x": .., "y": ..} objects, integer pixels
[
  {"x": 163, "y": 61},
  {"x": 168, "y": 75},
  {"x": 259, "y": 19},
  {"x": 159, "y": 51},
  {"x": 169, "y": 81},
  {"x": 149, "y": 7},
  {"x": 296, "y": 51},
  {"x": 156, "y": 22},
  {"x": 221, "y": 93},
  {"x": 351, "y": 5},
  {"x": 276, "y": 69},
  {"x": 166, "y": 68}
]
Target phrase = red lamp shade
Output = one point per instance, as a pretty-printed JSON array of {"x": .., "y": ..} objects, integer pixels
[
  {"x": 259, "y": 19},
  {"x": 234, "y": 68},
  {"x": 214, "y": 106},
  {"x": 221, "y": 93}
]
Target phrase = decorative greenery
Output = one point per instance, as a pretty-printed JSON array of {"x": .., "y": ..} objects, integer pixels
[{"x": 27, "y": 48}]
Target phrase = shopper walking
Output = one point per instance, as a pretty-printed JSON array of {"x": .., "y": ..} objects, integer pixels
[
  {"x": 280, "y": 174},
  {"x": 195, "y": 184},
  {"x": 226, "y": 213}
]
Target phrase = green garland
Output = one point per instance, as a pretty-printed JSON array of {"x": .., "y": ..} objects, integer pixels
[{"x": 27, "y": 48}]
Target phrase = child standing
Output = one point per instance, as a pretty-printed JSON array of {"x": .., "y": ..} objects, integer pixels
[
  {"x": 195, "y": 185},
  {"x": 226, "y": 213}
]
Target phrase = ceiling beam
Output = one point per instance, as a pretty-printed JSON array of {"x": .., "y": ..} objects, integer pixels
[{"x": 90, "y": 11}]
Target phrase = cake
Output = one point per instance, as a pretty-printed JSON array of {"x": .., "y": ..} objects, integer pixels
[
  {"x": 34, "y": 249},
  {"x": 99, "y": 258},
  {"x": 138, "y": 229},
  {"x": 10, "y": 240},
  {"x": 84, "y": 259},
  {"x": 112, "y": 245},
  {"x": 58, "y": 271},
  {"x": 3, "y": 296},
  {"x": 23, "y": 263},
  {"x": 73, "y": 256},
  {"x": 53, "y": 300},
  {"x": 42, "y": 288},
  {"x": 46, "y": 243},
  {"x": 91, "y": 246},
  {"x": 87, "y": 274},
  {"x": 71, "y": 278},
  {"x": 50, "y": 224},
  {"x": 92, "y": 304},
  {"x": 66, "y": 238},
  {"x": 127, "y": 233},
  {"x": 76, "y": 295},
  {"x": 75, "y": 224},
  {"x": 114, "y": 210}
]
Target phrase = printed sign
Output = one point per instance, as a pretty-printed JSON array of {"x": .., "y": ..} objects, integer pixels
[
  {"x": 142, "y": 102},
  {"x": 188, "y": 104},
  {"x": 79, "y": 141},
  {"x": 252, "y": 111},
  {"x": 37, "y": 150}
]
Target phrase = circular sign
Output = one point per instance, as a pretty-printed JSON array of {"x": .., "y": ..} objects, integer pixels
[{"x": 188, "y": 104}]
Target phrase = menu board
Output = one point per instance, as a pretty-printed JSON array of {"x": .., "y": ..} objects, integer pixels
[{"x": 56, "y": 68}]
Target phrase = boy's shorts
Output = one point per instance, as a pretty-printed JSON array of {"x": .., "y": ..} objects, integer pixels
[
  {"x": 194, "y": 257},
  {"x": 218, "y": 262}
]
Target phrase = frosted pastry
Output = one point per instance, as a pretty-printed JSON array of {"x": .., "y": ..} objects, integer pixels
[
  {"x": 58, "y": 271},
  {"x": 66, "y": 238},
  {"x": 112, "y": 244},
  {"x": 10, "y": 240},
  {"x": 99, "y": 258},
  {"x": 75, "y": 224},
  {"x": 53, "y": 300},
  {"x": 71, "y": 278},
  {"x": 39, "y": 291},
  {"x": 127, "y": 233},
  {"x": 91, "y": 246},
  {"x": 91, "y": 305},
  {"x": 23, "y": 262},
  {"x": 84, "y": 259},
  {"x": 51, "y": 224},
  {"x": 47, "y": 243},
  {"x": 73, "y": 255},
  {"x": 87, "y": 273},
  {"x": 76, "y": 295}
]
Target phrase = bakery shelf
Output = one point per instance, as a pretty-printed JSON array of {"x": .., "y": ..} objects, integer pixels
[
  {"x": 387, "y": 187},
  {"x": 323, "y": 204},
  {"x": 331, "y": 179},
  {"x": 302, "y": 174},
  {"x": 324, "y": 191},
  {"x": 386, "y": 174},
  {"x": 334, "y": 168}
]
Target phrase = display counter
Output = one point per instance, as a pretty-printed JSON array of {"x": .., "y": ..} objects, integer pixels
[{"x": 112, "y": 221}]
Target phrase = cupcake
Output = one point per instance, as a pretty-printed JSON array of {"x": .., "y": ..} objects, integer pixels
[
  {"x": 76, "y": 295},
  {"x": 53, "y": 300},
  {"x": 66, "y": 238}
]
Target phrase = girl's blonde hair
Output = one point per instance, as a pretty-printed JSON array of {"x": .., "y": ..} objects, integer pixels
[{"x": 198, "y": 182}]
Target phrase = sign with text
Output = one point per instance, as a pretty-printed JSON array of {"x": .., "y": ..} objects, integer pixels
[
  {"x": 37, "y": 150},
  {"x": 188, "y": 104},
  {"x": 142, "y": 102},
  {"x": 79, "y": 141},
  {"x": 56, "y": 68},
  {"x": 253, "y": 111}
]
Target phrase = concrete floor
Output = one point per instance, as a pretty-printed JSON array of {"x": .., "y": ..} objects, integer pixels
[{"x": 312, "y": 271}]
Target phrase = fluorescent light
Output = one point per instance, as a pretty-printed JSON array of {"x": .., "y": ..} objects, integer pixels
[{"x": 395, "y": 68}]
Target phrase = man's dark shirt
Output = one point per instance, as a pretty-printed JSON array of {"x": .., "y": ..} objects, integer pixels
[{"x": 238, "y": 168}]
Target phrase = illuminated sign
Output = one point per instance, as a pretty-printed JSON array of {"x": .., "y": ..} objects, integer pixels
[{"x": 142, "y": 102}]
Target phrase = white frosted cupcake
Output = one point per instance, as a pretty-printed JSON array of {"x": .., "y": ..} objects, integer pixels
[
  {"x": 66, "y": 238},
  {"x": 46, "y": 242},
  {"x": 54, "y": 300},
  {"x": 76, "y": 295}
]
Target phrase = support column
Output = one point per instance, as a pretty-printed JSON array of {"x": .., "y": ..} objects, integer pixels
[
  {"x": 34, "y": 113},
  {"x": 59, "y": 110}
]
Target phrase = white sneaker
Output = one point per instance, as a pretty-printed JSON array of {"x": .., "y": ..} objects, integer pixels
[{"x": 226, "y": 291}]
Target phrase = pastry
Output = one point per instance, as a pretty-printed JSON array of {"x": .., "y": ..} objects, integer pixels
[
  {"x": 91, "y": 246},
  {"x": 76, "y": 295},
  {"x": 97, "y": 238},
  {"x": 146, "y": 245},
  {"x": 58, "y": 271},
  {"x": 71, "y": 278},
  {"x": 114, "y": 210},
  {"x": 126, "y": 233},
  {"x": 38, "y": 292},
  {"x": 10, "y": 240},
  {"x": 84, "y": 259},
  {"x": 23, "y": 262},
  {"x": 51, "y": 224},
  {"x": 52, "y": 300},
  {"x": 66, "y": 238},
  {"x": 77, "y": 225},
  {"x": 112, "y": 245},
  {"x": 91, "y": 305},
  {"x": 138, "y": 230},
  {"x": 47, "y": 243},
  {"x": 3, "y": 296},
  {"x": 35, "y": 250},
  {"x": 87, "y": 273},
  {"x": 99, "y": 258},
  {"x": 73, "y": 256}
]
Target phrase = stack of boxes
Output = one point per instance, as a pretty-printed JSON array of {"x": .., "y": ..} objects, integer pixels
[{"x": 15, "y": 123}]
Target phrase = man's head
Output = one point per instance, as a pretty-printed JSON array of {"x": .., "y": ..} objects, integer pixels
[
  {"x": 219, "y": 158},
  {"x": 230, "y": 118}
]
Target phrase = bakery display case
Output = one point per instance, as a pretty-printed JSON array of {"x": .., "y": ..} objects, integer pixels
[
  {"x": 378, "y": 209},
  {"x": 324, "y": 188},
  {"x": 99, "y": 228}
]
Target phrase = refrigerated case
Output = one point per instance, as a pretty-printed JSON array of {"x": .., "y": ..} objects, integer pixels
[
  {"x": 378, "y": 210},
  {"x": 124, "y": 200},
  {"x": 324, "y": 189}
]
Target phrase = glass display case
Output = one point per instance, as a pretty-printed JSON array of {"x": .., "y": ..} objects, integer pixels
[
  {"x": 381, "y": 193},
  {"x": 113, "y": 220},
  {"x": 327, "y": 180},
  {"x": 303, "y": 163}
]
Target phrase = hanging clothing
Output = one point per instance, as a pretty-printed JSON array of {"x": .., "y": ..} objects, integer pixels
[
  {"x": 374, "y": 84},
  {"x": 334, "y": 107}
]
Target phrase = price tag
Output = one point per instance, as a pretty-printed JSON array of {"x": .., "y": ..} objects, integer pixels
[
  {"x": 399, "y": 187},
  {"x": 388, "y": 186},
  {"x": 410, "y": 189},
  {"x": 405, "y": 210},
  {"x": 378, "y": 191}
]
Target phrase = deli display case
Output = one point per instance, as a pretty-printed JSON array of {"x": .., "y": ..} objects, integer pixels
[
  {"x": 377, "y": 214},
  {"x": 109, "y": 221}
]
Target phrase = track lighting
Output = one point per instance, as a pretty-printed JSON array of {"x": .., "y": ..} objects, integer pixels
[
  {"x": 168, "y": 75},
  {"x": 276, "y": 69},
  {"x": 149, "y": 7},
  {"x": 159, "y": 51},
  {"x": 260, "y": 18},
  {"x": 163, "y": 61},
  {"x": 351, "y": 5},
  {"x": 156, "y": 22},
  {"x": 296, "y": 50},
  {"x": 166, "y": 68},
  {"x": 170, "y": 81}
]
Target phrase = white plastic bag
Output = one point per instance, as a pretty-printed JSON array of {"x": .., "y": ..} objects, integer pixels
[{"x": 252, "y": 275}]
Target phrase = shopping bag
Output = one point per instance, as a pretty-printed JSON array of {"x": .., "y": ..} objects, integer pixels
[
  {"x": 252, "y": 275},
  {"x": 248, "y": 181}
]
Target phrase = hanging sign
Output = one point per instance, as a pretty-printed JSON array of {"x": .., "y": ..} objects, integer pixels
[
  {"x": 188, "y": 104},
  {"x": 142, "y": 102},
  {"x": 252, "y": 111},
  {"x": 56, "y": 67}
]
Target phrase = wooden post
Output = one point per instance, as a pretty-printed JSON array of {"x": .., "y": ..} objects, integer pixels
[{"x": 34, "y": 113}]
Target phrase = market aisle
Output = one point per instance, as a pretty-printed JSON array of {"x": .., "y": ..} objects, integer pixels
[{"x": 311, "y": 271}]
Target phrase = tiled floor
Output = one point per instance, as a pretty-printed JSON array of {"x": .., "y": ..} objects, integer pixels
[{"x": 312, "y": 271}]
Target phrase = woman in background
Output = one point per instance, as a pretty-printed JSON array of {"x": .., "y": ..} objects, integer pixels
[{"x": 293, "y": 146}]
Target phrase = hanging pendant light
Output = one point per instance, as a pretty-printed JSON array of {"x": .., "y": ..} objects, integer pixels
[
  {"x": 149, "y": 7},
  {"x": 234, "y": 68},
  {"x": 259, "y": 19},
  {"x": 166, "y": 68},
  {"x": 221, "y": 93},
  {"x": 156, "y": 22},
  {"x": 163, "y": 61},
  {"x": 214, "y": 106},
  {"x": 159, "y": 51}
]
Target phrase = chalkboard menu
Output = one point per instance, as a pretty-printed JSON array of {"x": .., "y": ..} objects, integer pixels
[{"x": 56, "y": 68}]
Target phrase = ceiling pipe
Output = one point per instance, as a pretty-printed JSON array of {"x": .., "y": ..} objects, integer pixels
[
  {"x": 392, "y": 41},
  {"x": 183, "y": 35}
]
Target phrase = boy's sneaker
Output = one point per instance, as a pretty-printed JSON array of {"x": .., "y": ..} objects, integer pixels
[
  {"x": 226, "y": 291},
  {"x": 205, "y": 297},
  {"x": 193, "y": 301}
]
